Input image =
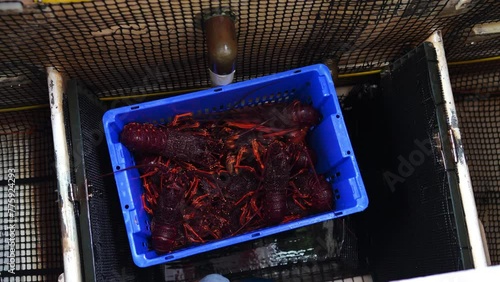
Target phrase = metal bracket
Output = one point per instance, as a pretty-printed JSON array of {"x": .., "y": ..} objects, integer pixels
[
  {"x": 88, "y": 191},
  {"x": 453, "y": 145},
  {"x": 439, "y": 147},
  {"x": 73, "y": 192}
]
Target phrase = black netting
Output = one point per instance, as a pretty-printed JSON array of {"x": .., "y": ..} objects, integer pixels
[
  {"x": 137, "y": 47},
  {"x": 477, "y": 96},
  {"x": 412, "y": 226},
  {"x": 26, "y": 148},
  {"x": 462, "y": 43},
  {"x": 478, "y": 79},
  {"x": 25, "y": 145},
  {"x": 321, "y": 250},
  {"x": 318, "y": 252},
  {"x": 112, "y": 259},
  {"x": 479, "y": 121}
]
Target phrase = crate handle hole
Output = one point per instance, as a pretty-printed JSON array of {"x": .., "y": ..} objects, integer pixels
[
  {"x": 337, "y": 116},
  {"x": 255, "y": 235},
  {"x": 297, "y": 71},
  {"x": 134, "y": 107},
  {"x": 217, "y": 89},
  {"x": 338, "y": 213},
  {"x": 126, "y": 207},
  {"x": 169, "y": 257},
  {"x": 117, "y": 167},
  {"x": 348, "y": 152}
]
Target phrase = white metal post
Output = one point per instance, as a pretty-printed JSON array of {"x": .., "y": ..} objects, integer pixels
[{"x": 71, "y": 252}]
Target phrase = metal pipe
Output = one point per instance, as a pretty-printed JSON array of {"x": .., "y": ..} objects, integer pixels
[
  {"x": 71, "y": 252},
  {"x": 222, "y": 48}
]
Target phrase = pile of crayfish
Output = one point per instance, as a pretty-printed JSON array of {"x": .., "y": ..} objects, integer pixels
[{"x": 215, "y": 177}]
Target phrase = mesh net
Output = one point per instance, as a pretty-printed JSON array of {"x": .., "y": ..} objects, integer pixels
[
  {"x": 477, "y": 98},
  {"x": 133, "y": 47},
  {"x": 29, "y": 213},
  {"x": 479, "y": 79},
  {"x": 410, "y": 228},
  {"x": 111, "y": 257},
  {"x": 328, "y": 250},
  {"x": 137, "y": 47}
]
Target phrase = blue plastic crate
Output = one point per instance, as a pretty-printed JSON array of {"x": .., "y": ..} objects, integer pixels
[{"x": 329, "y": 140}]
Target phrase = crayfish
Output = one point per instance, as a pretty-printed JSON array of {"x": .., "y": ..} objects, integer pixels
[{"x": 210, "y": 178}]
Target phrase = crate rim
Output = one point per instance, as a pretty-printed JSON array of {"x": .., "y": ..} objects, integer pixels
[{"x": 110, "y": 115}]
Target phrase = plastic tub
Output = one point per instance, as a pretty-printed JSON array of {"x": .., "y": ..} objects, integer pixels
[{"x": 330, "y": 141}]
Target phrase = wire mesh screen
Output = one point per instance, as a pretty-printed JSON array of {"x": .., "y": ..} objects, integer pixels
[
  {"x": 319, "y": 252},
  {"x": 477, "y": 98},
  {"x": 336, "y": 256},
  {"x": 112, "y": 260},
  {"x": 112, "y": 253},
  {"x": 131, "y": 47},
  {"x": 412, "y": 226},
  {"x": 322, "y": 250},
  {"x": 120, "y": 47},
  {"x": 30, "y": 248},
  {"x": 478, "y": 79}
]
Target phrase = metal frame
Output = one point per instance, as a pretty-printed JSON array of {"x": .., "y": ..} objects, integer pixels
[
  {"x": 71, "y": 251},
  {"x": 70, "y": 239},
  {"x": 464, "y": 181},
  {"x": 81, "y": 192}
]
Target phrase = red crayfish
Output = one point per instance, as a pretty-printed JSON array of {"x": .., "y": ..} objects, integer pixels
[
  {"x": 170, "y": 143},
  {"x": 210, "y": 178}
]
